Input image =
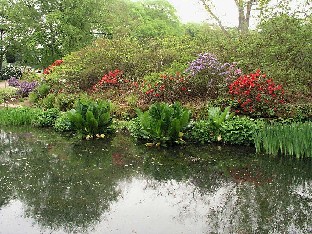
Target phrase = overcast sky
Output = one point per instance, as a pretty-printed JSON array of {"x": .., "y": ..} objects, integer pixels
[
  {"x": 226, "y": 10},
  {"x": 193, "y": 11}
]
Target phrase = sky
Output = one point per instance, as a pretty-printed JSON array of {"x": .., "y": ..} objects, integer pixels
[
  {"x": 193, "y": 11},
  {"x": 226, "y": 10}
]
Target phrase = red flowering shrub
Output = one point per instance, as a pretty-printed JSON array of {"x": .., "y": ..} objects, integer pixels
[
  {"x": 257, "y": 95},
  {"x": 111, "y": 79},
  {"x": 49, "y": 69},
  {"x": 168, "y": 89}
]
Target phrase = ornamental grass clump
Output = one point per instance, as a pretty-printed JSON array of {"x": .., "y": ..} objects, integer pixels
[
  {"x": 162, "y": 124},
  {"x": 18, "y": 116},
  {"x": 287, "y": 139}
]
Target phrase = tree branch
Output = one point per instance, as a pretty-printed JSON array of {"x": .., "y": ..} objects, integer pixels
[{"x": 215, "y": 17}]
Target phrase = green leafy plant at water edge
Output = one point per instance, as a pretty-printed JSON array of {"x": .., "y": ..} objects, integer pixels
[
  {"x": 240, "y": 130},
  {"x": 216, "y": 116},
  {"x": 91, "y": 118},
  {"x": 62, "y": 123},
  {"x": 46, "y": 118},
  {"x": 287, "y": 139},
  {"x": 201, "y": 131},
  {"x": 18, "y": 116},
  {"x": 162, "y": 123},
  {"x": 208, "y": 130}
]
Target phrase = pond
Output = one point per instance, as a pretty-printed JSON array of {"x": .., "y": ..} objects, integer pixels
[{"x": 54, "y": 184}]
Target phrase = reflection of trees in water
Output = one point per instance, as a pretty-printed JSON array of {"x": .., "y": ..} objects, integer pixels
[
  {"x": 63, "y": 186},
  {"x": 239, "y": 194},
  {"x": 69, "y": 186}
]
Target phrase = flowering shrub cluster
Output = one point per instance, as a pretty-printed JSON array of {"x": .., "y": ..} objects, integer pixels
[
  {"x": 170, "y": 88},
  {"x": 49, "y": 69},
  {"x": 24, "y": 87},
  {"x": 209, "y": 63},
  {"x": 208, "y": 74},
  {"x": 112, "y": 78},
  {"x": 256, "y": 94}
]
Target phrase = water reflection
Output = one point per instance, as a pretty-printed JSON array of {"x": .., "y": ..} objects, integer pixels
[{"x": 50, "y": 183}]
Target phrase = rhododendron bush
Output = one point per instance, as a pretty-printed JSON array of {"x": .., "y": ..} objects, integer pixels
[
  {"x": 257, "y": 95},
  {"x": 208, "y": 76},
  {"x": 50, "y": 68}
]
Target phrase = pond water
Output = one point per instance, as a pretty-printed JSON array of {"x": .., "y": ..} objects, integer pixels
[{"x": 54, "y": 184}]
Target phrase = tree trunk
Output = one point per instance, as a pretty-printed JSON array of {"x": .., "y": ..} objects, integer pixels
[
  {"x": 244, "y": 17},
  {"x": 1, "y": 51}
]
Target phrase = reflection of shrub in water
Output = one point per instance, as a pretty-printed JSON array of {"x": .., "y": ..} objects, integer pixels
[{"x": 69, "y": 193}]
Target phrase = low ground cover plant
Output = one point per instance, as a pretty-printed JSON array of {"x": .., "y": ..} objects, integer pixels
[{"x": 240, "y": 130}]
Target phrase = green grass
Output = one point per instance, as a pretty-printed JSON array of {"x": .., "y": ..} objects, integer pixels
[
  {"x": 287, "y": 139},
  {"x": 17, "y": 116}
]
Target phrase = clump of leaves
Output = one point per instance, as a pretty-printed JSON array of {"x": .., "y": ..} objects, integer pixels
[
  {"x": 46, "y": 118},
  {"x": 91, "y": 118},
  {"x": 62, "y": 123},
  {"x": 240, "y": 130},
  {"x": 161, "y": 124},
  {"x": 208, "y": 130}
]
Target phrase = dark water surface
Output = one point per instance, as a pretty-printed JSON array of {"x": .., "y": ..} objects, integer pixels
[{"x": 53, "y": 184}]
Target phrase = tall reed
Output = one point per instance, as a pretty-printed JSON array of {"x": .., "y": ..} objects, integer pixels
[
  {"x": 288, "y": 139},
  {"x": 17, "y": 116}
]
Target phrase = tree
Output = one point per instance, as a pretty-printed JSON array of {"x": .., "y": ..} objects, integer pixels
[
  {"x": 43, "y": 31},
  {"x": 244, "y": 8}
]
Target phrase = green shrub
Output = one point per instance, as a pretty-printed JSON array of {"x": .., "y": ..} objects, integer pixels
[
  {"x": 62, "y": 123},
  {"x": 7, "y": 93},
  {"x": 64, "y": 101},
  {"x": 240, "y": 130},
  {"x": 298, "y": 112},
  {"x": 48, "y": 101},
  {"x": 91, "y": 118},
  {"x": 285, "y": 54},
  {"x": 18, "y": 116},
  {"x": 201, "y": 131},
  {"x": 287, "y": 139},
  {"x": 46, "y": 118},
  {"x": 208, "y": 130},
  {"x": 9, "y": 72},
  {"x": 84, "y": 68},
  {"x": 39, "y": 93},
  {"x": 31, "y": 76},
  {"x": 162, "y": 123}
]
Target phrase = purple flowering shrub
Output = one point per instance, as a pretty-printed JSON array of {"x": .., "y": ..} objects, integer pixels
[
  {"x": 24, "y": 87},
  {"x": 13, "y": 82},
  {"x": 208, "y": 76}
]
